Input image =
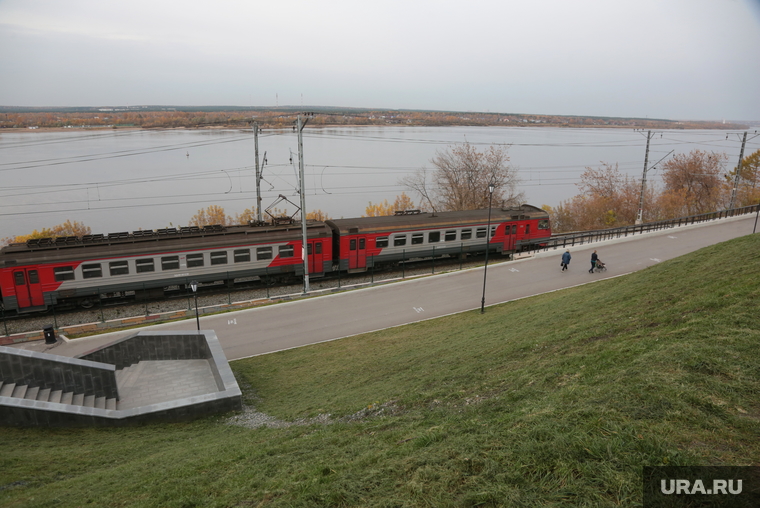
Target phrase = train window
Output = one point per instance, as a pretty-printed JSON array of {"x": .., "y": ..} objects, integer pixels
[
  {"x": 20, "y": 280},
  {"x": 514, "y": 229},
  {"x": 264, "y": 253},
  {"x": 450, "y": 236},
  {"x": 434, "y": 236},
  {"x": 145, "y": 265},
  {"x": 219, "y": 258},
  {"x": 466, "y": 234},
  {"x": 63, "y": 273},
  {"x": 118, "y": 267},
  {"x": 286, "y": 251},
  {"x": 33, "y": 278},
  {"x": 362, "y": 243},
  {"x": 170, "y": 263},
  {"x": 543, "y": 224},
  {"x": 493, "y": 231},
  {"x": 480, "y": 233},
  {"x": 352, "y": 244},
  {"x": 527, "y": 229},
  {"x": 418, "y": 238},
  {"x": 399, "y": 240},
  {"x": 381, "y": 241},
  {"x": 242, "y": 255},
  {"x": 194, "y": 260},
  {"x": 92, "y": 271}
]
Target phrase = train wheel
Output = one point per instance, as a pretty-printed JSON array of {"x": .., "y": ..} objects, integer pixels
[{"x": 86, "y": 303}]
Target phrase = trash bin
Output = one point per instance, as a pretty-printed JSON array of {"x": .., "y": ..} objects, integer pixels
[{"x": 49, "y": 333}]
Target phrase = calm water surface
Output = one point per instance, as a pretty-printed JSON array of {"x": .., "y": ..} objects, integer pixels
[{"x": 127, "y": 180}]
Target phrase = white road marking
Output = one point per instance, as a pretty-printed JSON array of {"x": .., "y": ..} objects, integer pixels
[
  {"x": 655, "y": 260},
  {"x": 418, "y": 309},
  {"x": 232, "y": 321}
]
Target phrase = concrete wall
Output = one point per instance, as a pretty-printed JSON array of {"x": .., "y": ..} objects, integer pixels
[{"x": 151, "y": 346}]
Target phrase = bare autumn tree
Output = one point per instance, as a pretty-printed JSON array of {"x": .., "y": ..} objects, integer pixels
[
  {"x": 461, "y": 177},
  {"x": 698, "y": 178},
  {"x": 607, "y": 199}
]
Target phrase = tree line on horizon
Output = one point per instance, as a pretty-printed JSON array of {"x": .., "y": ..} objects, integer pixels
[
  {"x": 283, "y": 118},
  {"x": 692, "y": 184}
]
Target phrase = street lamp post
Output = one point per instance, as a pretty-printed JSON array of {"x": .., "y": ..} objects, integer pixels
[
  {"x": 491, "y": 187},
  {"x": 194, "y": 287}
]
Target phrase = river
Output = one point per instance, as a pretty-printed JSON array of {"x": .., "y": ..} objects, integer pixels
[{"x": 127, "y": 180}]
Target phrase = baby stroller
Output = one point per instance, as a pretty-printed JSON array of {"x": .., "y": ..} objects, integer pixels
[{"x": 599, "y": 266}]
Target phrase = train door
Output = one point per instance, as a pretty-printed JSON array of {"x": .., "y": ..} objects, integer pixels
[
  {"x": 316, "y": 258},
  {"x": 357, "y": 253},
  {"x": 510, "y": 235},
  {"x": 28, "y": 288}
]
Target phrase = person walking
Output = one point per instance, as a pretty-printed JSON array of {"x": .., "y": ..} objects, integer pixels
[
  {"x": 594, "y": 257},
  {"x": 565, "y": 259}
]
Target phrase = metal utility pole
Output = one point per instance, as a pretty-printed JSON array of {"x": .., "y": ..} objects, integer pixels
[
  {"x": 258, "y": 172},
  {"x": 304, "y": 249},
  {"x": 640, "y": 215},
  {"x": 738, "y": 173}
]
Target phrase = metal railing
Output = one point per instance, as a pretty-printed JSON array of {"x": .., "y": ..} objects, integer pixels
[{"x": 562, "y": 240}]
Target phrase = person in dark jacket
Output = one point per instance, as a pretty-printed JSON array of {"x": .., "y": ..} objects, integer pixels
[
  {"x": 594, "y": 257},
  {"x": 565, "y": 260}
]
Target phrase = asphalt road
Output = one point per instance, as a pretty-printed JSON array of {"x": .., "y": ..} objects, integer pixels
[{"x": 307, "y": 321}]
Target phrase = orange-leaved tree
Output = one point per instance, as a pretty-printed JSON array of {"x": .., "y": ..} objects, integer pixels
[
  {"x": 213, "y": 214},
  {"x": 402, "y": 202},
  {"x": 68, "y": 228}
]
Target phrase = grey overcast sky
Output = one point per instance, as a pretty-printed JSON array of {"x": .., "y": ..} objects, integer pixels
[{"x": 675, "y": 59}]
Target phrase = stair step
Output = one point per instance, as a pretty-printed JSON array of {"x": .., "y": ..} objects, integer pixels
[
  {"x": 89, "y": 401},
  {"x": 67, "y": 397},
  {"x": 111, "y": 403},
  {"x": 55, "y": 396},
  {"x": 100, "y": 402},
  {"x": 31, "y": 393},
  {"x": 44, "y": 395},
  {"x": 128, "y": 375},
  {"x": 7, "y": 390},
  {"x": 77, "y": 399},
  {"x": 20, "y": 391}
]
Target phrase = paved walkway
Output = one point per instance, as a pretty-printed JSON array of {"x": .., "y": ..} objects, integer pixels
[{"x": 153, "y": 382}]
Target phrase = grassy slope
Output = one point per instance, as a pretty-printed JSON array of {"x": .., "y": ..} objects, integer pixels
[{"x": 556, "y": 400}]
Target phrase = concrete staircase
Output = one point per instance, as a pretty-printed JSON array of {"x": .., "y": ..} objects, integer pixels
[{"x": 55, "y": 396}]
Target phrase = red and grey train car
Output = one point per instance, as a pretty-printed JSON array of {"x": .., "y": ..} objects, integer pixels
[
  {"x": 47, "y": 272},
  {"x": 141, "y": 264},
  {"x": 367, "y": 241}
]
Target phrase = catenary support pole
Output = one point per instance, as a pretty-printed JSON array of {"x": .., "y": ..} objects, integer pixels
[
  {"x": 738, "y": 173},
  {"x": 304, "y": 247},
  {"x": 640, "y": 215}
]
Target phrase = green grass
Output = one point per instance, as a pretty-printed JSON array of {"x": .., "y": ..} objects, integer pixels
[{"x": 556, "y": 400}]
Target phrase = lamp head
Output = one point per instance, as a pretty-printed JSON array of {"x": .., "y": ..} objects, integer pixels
[{"x": 194, "y": 285}]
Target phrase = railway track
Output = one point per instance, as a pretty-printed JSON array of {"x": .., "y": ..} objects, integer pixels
[{"x": 213, "y": 295}]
